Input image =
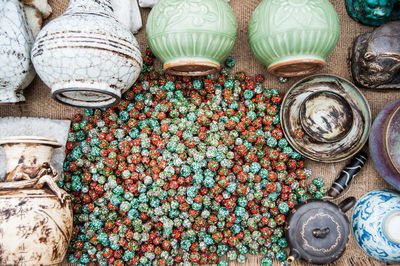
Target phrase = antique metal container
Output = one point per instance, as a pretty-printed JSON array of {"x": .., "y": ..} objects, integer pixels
[{"x": 375, "y": 58}]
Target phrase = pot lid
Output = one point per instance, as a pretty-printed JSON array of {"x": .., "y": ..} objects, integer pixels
[{"x": 318, "y": 230}]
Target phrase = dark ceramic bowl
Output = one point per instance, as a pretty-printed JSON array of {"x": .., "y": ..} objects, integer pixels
[
  {"x": 332, "y": 112},
  {"x": 384, "y": 139}
]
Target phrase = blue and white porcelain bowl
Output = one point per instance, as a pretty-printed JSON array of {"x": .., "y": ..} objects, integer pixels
[{"x": 376, "y": 224}]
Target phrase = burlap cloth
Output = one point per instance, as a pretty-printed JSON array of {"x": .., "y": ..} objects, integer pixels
[{"x": 40, "y": 104}]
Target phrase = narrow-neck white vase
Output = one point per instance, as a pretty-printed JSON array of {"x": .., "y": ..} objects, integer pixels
[
  {"x": 86, "y": 56},
  {"x": 16, "y": 40}
]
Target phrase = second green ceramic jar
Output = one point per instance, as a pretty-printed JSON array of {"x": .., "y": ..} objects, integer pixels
[
  {"x": 191, "y": 37},
  {"x": 293, "y": 37}
]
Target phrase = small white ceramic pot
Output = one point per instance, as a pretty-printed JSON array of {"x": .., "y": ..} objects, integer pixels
[
  {"x": 86, "y": 56},
  {"x": 36, "y": 220},
  {"x": 376, "y": 224},
  {"x": 16, "y": 40}
]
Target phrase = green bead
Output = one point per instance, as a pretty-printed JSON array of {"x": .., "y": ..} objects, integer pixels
[
  {"x": 209, "y": 182},
  {"x": 282, "y": 143},
  {"x": 230, "y": 62},
  {"x": 223, "y": 212},
  {"x": 318, "y": 195},
  {"x": 266, "y": 262},
  {"x": 288, "y": 151},
  {"x": 312, "y": 188},
  {"x": 323, "y": 190},
  {"x": 318, "y": 182},
  {"x": 197, "y": 84},
  {"x": 281, "y": 255},
  {"x": 241, "y": 259},
  {"x": 231, "y": 255},
  {"x": 248, "y": 94},
  {"x": 125, "y": 206},
  {"x": 271, "y": 142},
  {"x": 275, "y": 248},
  {"x": 282, "y": 242},
  {"x": 283, "y": 207},
  {"x": 223, "y": 263},
  {"x": 274, "y": 238},
  {"x": 185, "y": 171},
  {"x": 296, "y": 156}
]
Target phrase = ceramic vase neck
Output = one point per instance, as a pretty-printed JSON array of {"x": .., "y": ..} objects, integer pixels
[
  {"x": 91, "y": 6},
  {"x": 28, "y": 156},
  {"x": 391, "y": 227}
]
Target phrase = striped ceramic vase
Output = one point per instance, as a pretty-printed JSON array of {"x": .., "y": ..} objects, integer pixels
[{"x": 86, "y": 56}]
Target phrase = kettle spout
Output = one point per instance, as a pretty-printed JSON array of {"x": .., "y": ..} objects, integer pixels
[{"x": 293, "y": 255}]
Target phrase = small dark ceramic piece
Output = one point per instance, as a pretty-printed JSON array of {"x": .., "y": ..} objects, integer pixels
[
  {"x": 375, "y": 60},
  {"x": 356, "y": 124},
  {"x": 373, "y": 12},
  {"x": 326, "y": 116},
  {"x": 318, "y": 230},
  {"x": 347, "y": 174},
  {"x": 377, "y": 143}
]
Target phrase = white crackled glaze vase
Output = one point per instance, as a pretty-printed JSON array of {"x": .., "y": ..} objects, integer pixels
[
  {"x": 86, "y": 56},
  {"x": 293, "y": 37},
  {"x": 16, "y": 40}
]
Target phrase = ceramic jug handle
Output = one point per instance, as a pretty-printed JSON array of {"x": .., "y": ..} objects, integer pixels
[{"x": 347, "y": 204}]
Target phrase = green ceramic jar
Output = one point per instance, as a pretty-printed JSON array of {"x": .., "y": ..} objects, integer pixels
[
  {"x": 191, "y": 37},
  {"x": 293, "y": 37}
]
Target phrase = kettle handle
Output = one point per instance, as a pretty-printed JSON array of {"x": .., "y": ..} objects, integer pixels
[{"x": 347, "y": 204}]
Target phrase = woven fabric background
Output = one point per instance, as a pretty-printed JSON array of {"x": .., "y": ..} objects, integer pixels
[{"x": 40, "y": 104}]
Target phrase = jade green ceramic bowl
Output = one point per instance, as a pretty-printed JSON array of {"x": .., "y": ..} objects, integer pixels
[
  {"x": 191, "y": 37},
  {"x": 293, "y": 37}
]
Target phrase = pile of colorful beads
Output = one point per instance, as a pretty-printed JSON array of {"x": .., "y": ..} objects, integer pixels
[{"x": 182, "y": 170}]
